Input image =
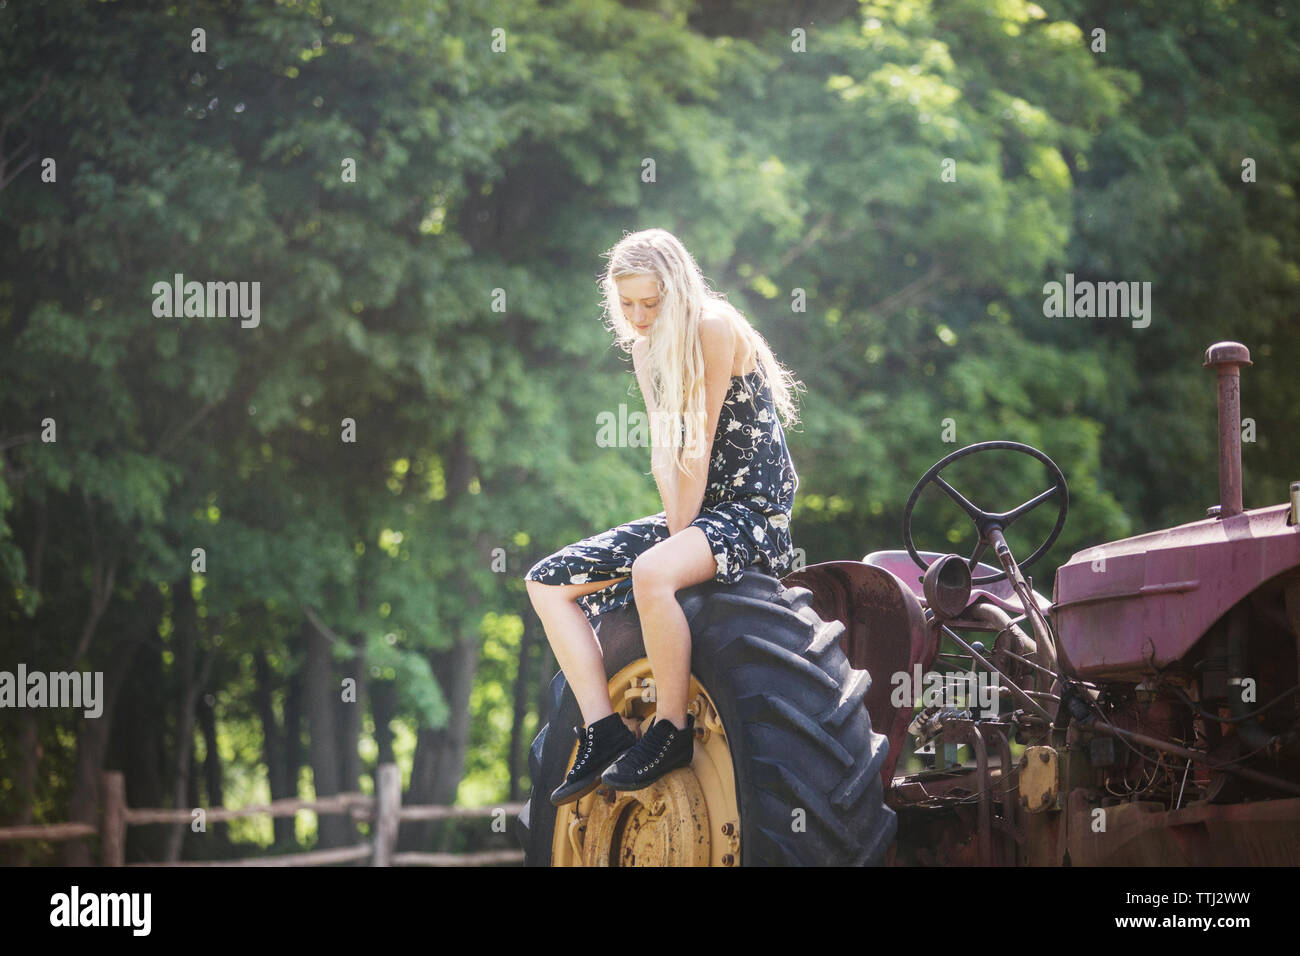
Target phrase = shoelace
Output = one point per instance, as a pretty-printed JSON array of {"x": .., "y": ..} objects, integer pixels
[
  {"x": 587, "y": 740},
  {"x": 669, "y": 738}
]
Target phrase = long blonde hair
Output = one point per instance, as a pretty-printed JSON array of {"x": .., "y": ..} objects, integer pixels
[{"x": 675, "y": 358}]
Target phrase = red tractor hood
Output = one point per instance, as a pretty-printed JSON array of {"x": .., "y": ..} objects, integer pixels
[{"x": 1118, "y": 605}]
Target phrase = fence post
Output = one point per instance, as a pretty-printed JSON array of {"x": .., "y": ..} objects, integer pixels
[
  {"x": 112, "y": 835},
  {"x": 388, "y": 806}
]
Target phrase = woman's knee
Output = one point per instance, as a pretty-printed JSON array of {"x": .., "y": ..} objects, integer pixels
[{"x": 649, "y": 572}]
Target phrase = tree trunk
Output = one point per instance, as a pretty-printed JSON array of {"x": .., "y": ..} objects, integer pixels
[
  {"x": 25, "y": 778},
  {"x": 27, "y": 736},
  {"x": 212, "y": 782},
  {"x": 518, "y": 745},
  {"x": 83, "y": 804},
  {"x": 92, "y": 736},
  {"x": 439, "y": 759},
  {"x": 293, "y": 755},
  {"x": 283, "y": 784},
  {"x": 92, "y": 742},
  {"x": 436, "y": 774},
  {"x": 27, "y": 739},
  {"x": 189, "y": 686},
  {"x": 451, "y": 742},
  {"x": 416, "y": 834},
  {"x": 353, "y": 714},
  {"x": 138, "y": 747},
  {"x": 383, "y": 702},
  {"x": 192, "y": 796},
  {"x": 322, "y": 694},
  {"x": 350, "y": 720}
]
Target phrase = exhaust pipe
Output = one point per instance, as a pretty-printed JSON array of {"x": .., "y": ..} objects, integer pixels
[{"x": 1226, "y": 358}]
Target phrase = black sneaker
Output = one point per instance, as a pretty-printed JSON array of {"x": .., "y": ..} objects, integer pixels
[
  {"x": 598, "y": 745},
  {"x": 662, "y": 750}
]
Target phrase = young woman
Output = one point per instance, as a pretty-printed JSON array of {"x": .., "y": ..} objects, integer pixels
[{"x": 727, "y": 483}]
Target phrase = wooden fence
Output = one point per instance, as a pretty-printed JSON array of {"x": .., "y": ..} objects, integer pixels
[{"x": 384, "y": 808}]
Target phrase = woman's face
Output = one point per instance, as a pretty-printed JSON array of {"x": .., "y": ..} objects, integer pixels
[{"x": 639, "y": 296}]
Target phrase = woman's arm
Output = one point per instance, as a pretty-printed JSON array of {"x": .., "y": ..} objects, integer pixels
[
  {"x": 718, "y": 342},
  {"x": 662, "y": 474}
]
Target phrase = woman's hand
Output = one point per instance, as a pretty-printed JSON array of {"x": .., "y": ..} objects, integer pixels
[
  {"x": 665, "y": 478},
  {"x": 683, "y": 493}
]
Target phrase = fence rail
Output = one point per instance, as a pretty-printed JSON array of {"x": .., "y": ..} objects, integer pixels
[
  {"x": 48, "y": 831},
  {"x": 384, "y": 808}
]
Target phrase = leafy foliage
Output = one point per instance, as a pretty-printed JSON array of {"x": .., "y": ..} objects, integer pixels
[{"x": 480, "y": 170}]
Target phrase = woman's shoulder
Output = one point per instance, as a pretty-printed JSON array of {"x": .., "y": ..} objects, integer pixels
[
  {"x": 717, "y": 331},
  {"x": 727, "y": 328}
]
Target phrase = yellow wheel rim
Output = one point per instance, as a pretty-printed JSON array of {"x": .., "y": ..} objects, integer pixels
[{"x": 689, "y": 817}]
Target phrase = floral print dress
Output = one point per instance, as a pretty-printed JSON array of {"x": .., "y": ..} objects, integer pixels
[{"x": 745, "y": 513}]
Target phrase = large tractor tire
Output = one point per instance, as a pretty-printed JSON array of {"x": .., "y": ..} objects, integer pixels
[{"x": 786, "y": 768}]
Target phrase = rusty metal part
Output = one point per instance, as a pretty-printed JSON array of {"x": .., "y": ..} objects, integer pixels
[
  {"x": 1267, "y": 779},
  {"x": 1127, "y": 606},
  {"x": 978, "y": 735},
  {"x": 1036, "y": 668},
  {"x": 1040, "y": 779},
  {"x": 1002, "y": 593},
  {"x": 731, "y": 836},
  {"x": 1227, "y": 358},
  {"x": 928, "y": 723},
  {"x": 1253, "y": 735},
  {"x": 1291, "y": 601},
  {"x": 985, "y": 835},
  {"x": 946, "y": 585},
  {"x": 1010, "y": 643},
  {"x": 574, "y": 832},
  {"x": 1050, "y": 654},
  {"x": 669, "y": 822},
  {"x": 932, "y": 788},
  {"x": 1259, "y": 833},
  {"x": 964, "y": 731},
  {"x": 1010, "y": 800},
  {"x": 885, "y": 633},
  {"x": 665, "y": 824},
  {"x": 1153, "y": 710},
  {"x": 1028, "y": 727},
  {"x": 1025, "y": 699},
  {"x": 1160, "y": 592}
]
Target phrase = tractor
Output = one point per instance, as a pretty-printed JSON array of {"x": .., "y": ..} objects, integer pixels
[{"x": 1147, "y": 714}]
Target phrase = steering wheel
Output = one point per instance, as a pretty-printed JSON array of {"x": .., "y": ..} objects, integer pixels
[{"x": 987, "y": 521}]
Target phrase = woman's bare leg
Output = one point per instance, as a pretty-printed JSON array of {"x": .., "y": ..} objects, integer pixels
[
  {"x": 657, "y": 575},
  {"x": 573, "y": 640}
]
